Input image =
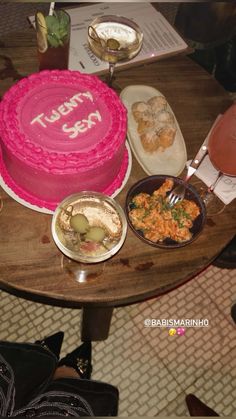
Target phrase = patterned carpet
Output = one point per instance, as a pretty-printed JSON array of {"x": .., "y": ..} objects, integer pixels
[{"x": 153, "y": 370}]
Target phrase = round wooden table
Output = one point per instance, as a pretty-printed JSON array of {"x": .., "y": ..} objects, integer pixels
[{"x": 32, "y": 266}]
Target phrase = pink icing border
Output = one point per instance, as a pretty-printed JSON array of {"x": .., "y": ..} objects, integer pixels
[{"x": 33, "y": 200}]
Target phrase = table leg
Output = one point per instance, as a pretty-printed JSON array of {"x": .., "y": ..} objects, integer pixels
[{"x": 96, "y": 323}]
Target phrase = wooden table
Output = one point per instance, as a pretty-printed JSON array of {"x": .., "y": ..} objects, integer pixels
[{"x": 32, "y": 266}]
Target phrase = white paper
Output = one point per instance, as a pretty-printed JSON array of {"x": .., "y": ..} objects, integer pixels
[
  {"x": 226, "y": 186},
  {"x": 160, "y": 38}
]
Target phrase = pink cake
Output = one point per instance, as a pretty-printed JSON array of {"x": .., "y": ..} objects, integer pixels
[{"x": 62, "y": 132}]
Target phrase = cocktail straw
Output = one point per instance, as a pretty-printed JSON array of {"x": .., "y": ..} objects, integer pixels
[{"x": 51, "y": 10}]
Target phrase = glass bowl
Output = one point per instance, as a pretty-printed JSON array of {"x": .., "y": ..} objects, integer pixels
[
  {"x": 102, "y": 213},
  {"x": 119, "y": 30},
  {"x": 149, "y": 185}
]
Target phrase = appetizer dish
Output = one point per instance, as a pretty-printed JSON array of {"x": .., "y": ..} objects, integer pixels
[
  {"x": 156, "y": 125},
  {"x": 152, "y": 218},
  {"x": 153, "y": 131}
]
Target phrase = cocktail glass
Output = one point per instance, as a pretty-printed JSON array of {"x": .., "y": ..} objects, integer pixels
[
  {"x": 114, "y": 38},
  {"x": 53, "y": 40},
  {"x": 214, "y": 205},
  {"x": 222, "y": 154}
]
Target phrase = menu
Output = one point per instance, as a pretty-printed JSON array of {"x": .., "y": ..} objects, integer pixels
[{"x": 160, "y": 38}]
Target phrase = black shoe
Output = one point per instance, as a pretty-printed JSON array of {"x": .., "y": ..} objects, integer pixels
[
  {"x": 233, "y": 312},
  {"x": 227, "y": 258},
  {"x": 197, "y": 408},
  {"x": 80, "y": 360},
  {"x": 53, "y": 343}
]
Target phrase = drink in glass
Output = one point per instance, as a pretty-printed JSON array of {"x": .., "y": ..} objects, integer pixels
[
  {"x": 114, "y": 38},
  {"x": 222, "y": 154},
  {"x": 222, "y": 143},
  {"x": 53, "y": 40}
]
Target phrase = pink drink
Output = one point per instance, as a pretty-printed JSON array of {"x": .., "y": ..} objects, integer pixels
[{"x": 222, "y": 143}]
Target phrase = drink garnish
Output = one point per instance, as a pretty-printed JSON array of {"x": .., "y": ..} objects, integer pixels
[
  {"x": 113, "y": 44},
  {"x": 57, "y": 33},
  {"x": 41, "y": 32},
  {"x": 94, "y": 35}
]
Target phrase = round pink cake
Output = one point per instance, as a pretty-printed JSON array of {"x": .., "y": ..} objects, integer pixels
[{"x": 62, "y": 132}]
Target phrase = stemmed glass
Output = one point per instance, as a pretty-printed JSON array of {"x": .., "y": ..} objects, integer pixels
[
  {"x": 114, "y": 38},
  {"x": 214, "y": 205},
  {"x": 222, "y": 154}
]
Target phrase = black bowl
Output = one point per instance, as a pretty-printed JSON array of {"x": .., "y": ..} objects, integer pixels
[{"x": 149, "y": 185}]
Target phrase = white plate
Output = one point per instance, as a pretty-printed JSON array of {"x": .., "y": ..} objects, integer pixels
[
  {"x": 127, "y": 175},
  {"x": 169, "y": 162},
  {"x": 44, "y": 210}
]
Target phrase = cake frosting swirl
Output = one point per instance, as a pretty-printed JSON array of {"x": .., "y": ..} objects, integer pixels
[{"x": 62, "y": 132}]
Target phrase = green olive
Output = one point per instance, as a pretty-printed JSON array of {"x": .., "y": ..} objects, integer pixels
[
  {"x": 79, "y": 223},
  {"x": 96, "y": 234},
  {"x": 113, "y": 44}
]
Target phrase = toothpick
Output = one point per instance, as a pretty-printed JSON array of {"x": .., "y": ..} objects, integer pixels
[{"x": 51, "y": 10}]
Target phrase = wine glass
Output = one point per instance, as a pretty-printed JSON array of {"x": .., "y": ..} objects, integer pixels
[
  {"x": 222, "y": 154},
  {"x": 214, "y": 205},
  {"x": 114, "y": 38}
]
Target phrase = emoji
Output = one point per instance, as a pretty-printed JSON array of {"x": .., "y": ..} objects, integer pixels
[
  {"x": 172, "y": 332},
  {"x": 180, "y": 331}
]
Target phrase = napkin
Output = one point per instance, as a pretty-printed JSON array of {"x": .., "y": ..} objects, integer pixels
[{"x": 226, "y": 186}]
